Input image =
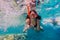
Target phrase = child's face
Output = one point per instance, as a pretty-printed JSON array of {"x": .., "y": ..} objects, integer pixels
[
  {"x": 33, "y": 15},
  {"x": 33, "y": 0}
]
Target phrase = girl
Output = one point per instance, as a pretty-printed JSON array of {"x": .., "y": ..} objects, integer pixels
[{"x": 33, "y": 21}]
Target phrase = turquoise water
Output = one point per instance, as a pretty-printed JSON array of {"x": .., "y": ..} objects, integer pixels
[{"x": 50, "y": 32}]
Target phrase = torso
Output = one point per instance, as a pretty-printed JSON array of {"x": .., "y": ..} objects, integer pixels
[{"x": 33, "y": 21}]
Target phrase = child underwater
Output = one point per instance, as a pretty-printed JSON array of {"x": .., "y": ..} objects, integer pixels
[{"x": 33, "y": 21}]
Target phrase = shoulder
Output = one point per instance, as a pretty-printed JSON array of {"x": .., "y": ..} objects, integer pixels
[
  {"x": 27, "y": 17},
  {"x": 39, "y": 17}
]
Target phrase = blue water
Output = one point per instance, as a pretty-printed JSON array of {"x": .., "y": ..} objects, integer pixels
[{"x": 49, "y": 33}]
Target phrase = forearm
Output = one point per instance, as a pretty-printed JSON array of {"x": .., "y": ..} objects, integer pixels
[{"x": 28, "y": 9}]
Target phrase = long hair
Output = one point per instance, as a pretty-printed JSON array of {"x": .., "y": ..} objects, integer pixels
[{"x": 33, "y": 11}]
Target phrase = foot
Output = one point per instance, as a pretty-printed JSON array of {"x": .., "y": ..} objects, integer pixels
[
  {"x": 41, "y": 28},
  {"x": 34, "y": 28}
]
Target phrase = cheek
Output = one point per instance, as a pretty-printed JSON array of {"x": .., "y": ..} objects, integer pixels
[{"x": 33, "y": 15}]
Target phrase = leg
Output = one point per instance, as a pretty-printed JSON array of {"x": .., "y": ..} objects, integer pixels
[
  {"x": 38, "y": 25},
  {"x": 38, "y": 28},
  {"x": 26, "y": 25}
]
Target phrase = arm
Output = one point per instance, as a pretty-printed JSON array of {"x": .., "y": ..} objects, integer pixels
[
  {"x": 26, "y": 25},
  {"x": 27, "y": 21},
  {"x": 28, "y": 9}
]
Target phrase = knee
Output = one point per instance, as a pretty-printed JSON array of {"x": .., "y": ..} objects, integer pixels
[{"x": 27, "y": 21}]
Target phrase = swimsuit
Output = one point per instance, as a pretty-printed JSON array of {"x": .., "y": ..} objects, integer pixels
[{"x": 34, "y": 21}]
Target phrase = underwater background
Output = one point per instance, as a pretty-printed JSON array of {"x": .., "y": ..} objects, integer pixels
[{"x": 12, "y": 20}]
